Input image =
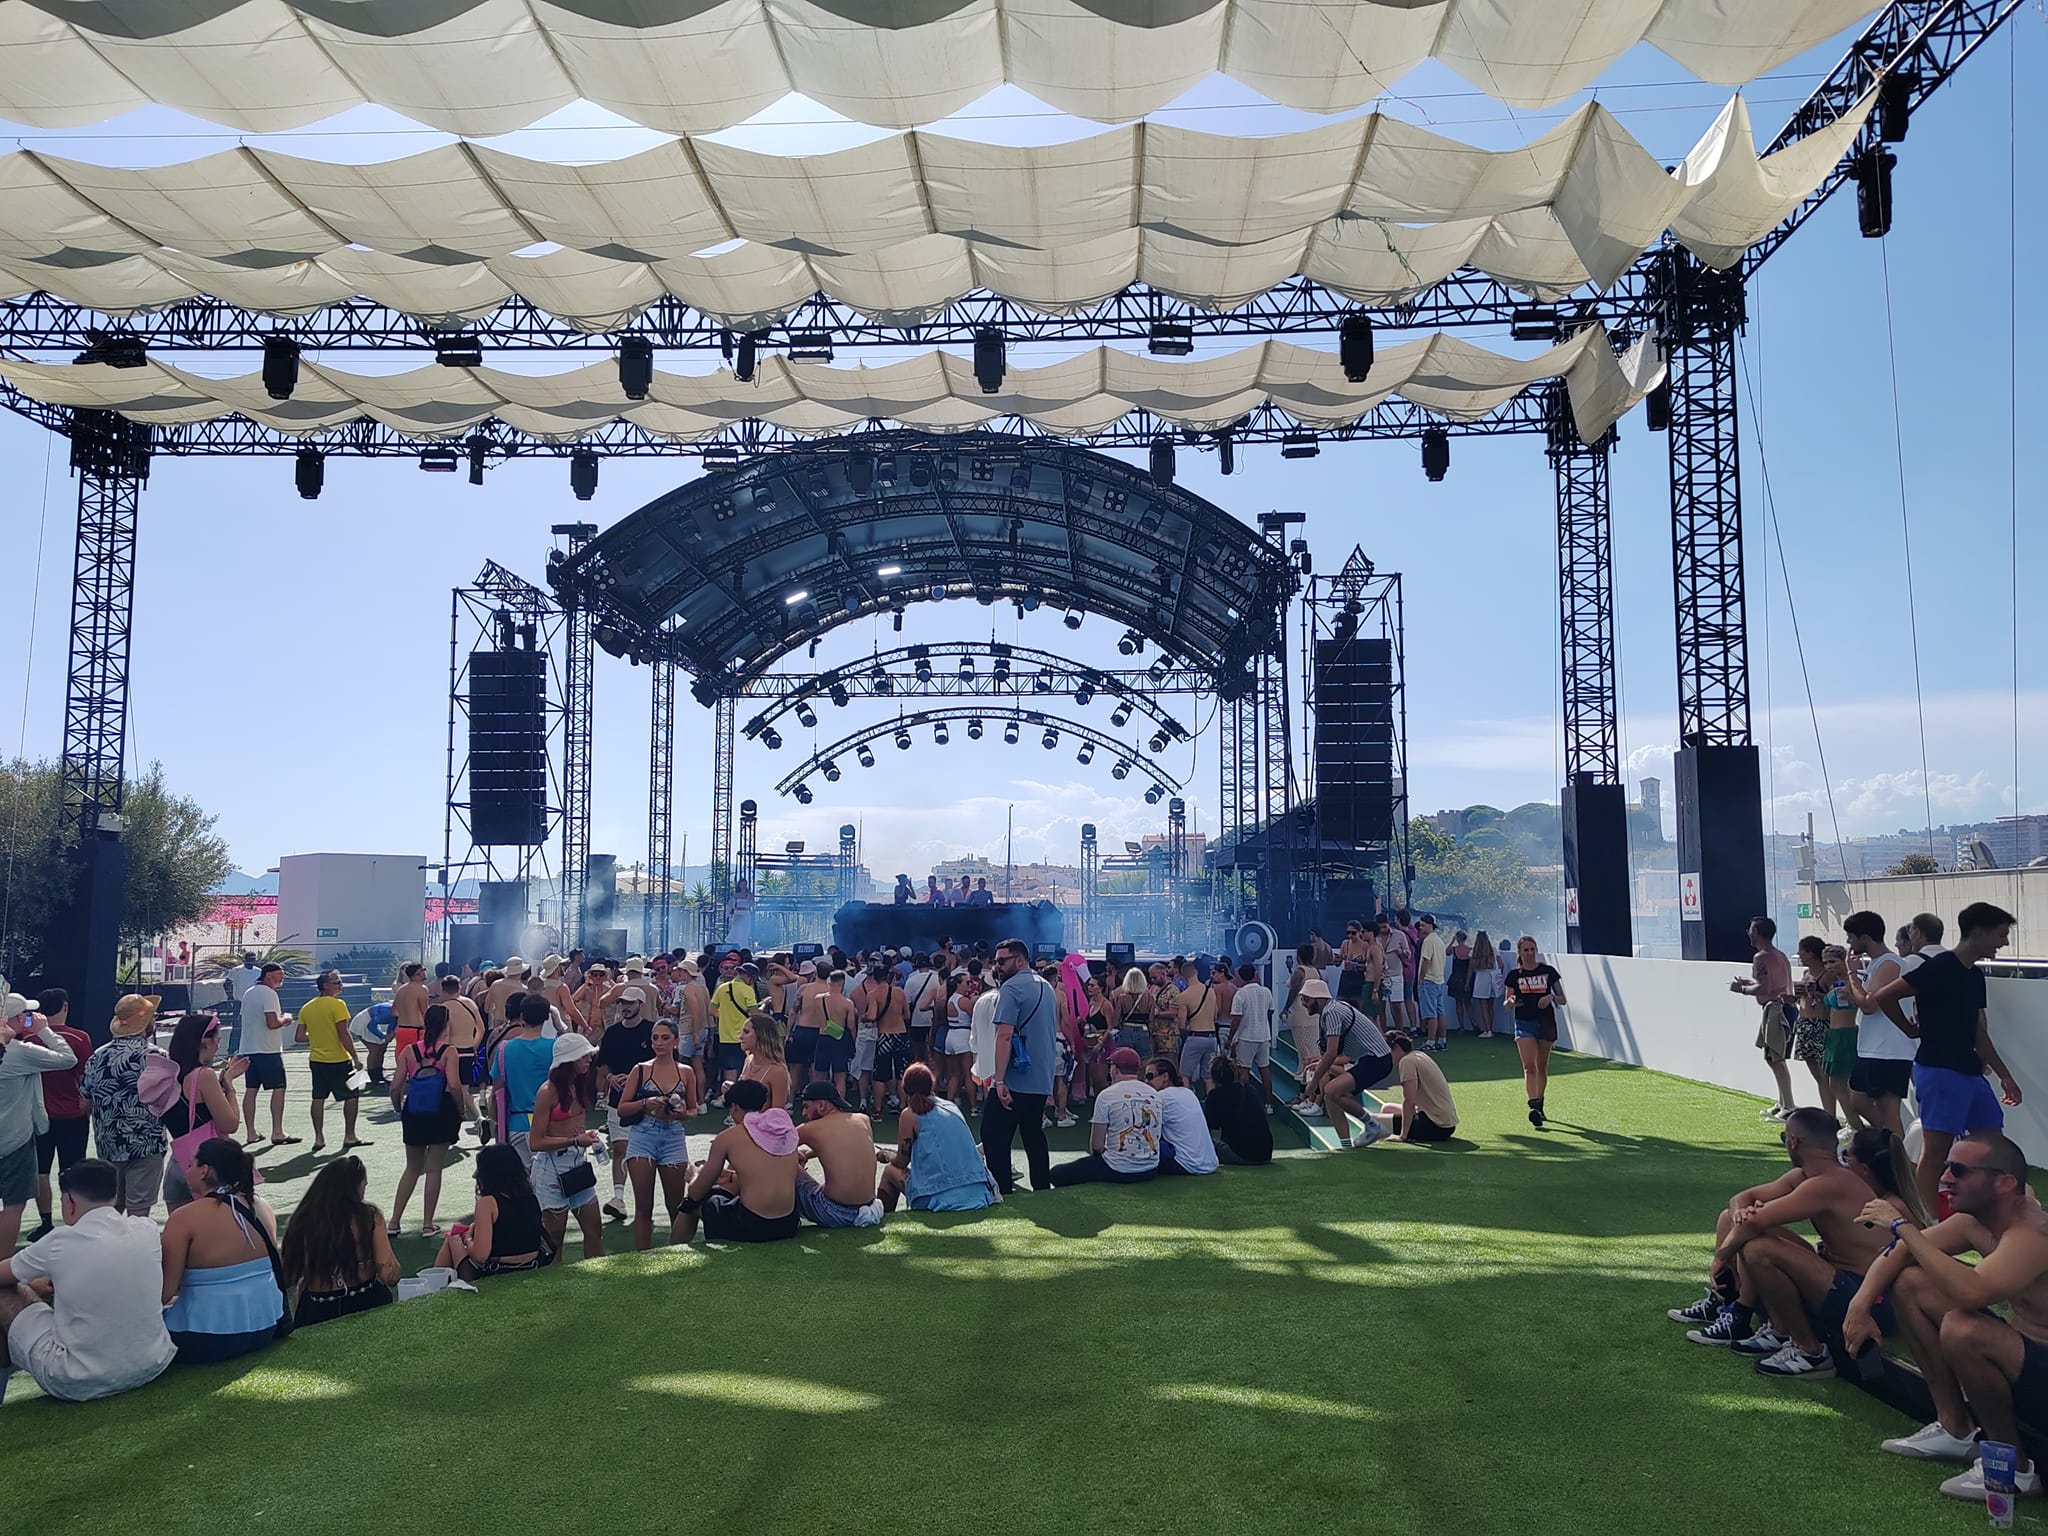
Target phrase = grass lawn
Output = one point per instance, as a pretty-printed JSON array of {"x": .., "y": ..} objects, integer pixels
[{"x": 1461, "y": 1339}]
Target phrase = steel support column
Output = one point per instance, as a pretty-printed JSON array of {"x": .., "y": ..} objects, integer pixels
[
  {"x": 723, "y": 730},
  {"x": 661, "y": 798},
  {"x": 1594, "y": 799},
  {"x": 1720, "y": 799},
  {"x": 578, "y": 708}
]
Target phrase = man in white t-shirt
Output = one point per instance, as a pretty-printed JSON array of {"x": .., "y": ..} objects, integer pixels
[
  {"x": 1251, "y": 1025},
  {"x": 1123, "y": 1137},
  {"x": 238, "y": 980},
  {"x": 1185, "y": 1145},
  {"x": 83, "y": 1308},
  {"x": 1884, "y": 1052},
  {"x": 264, "y": 1022}
]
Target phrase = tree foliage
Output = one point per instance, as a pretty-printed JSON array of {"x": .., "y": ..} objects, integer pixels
[
  {"x": 1915, "y": 864},
  {"x": 174, "y": 858},
  {"x": 1484, "y": 884}
]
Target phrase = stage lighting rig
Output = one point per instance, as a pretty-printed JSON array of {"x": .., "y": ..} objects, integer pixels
[
  {"x": 1121, "y": 769},
  {"x": 459, "y": 350},
  {"x": 1157, "y": 744},
  {"x": 583, "y": 474},
  {"x": 309, "y": 473},
  {"x": 280, "y": 366},
  {"x": 1436, "y": 454},
  {"x": 1300, "y": 445},
  {"x": 1086, "y": 755},
  {"x": 940, "y": 736},
  {"x": 1131, "y": 643},
  {"x": 636, "y": 367},
  {"x": 1072, "y": 618},
  {"x": 771, "y": 739},
  {"x": 1355, "y": 347},
  {"x": 1122, "y": 716},
  {"x": 803, "y": 794},
  {"x": 1162, "y": 464},
  {"x": 1011, "y": 731},
  {"x": 902, "y": 739},
  {"x": 966, "y": 668},
  {"x": 1154, "y": 795},
  {"x": 806, "y": 716},
  {"x": 975, "y": 728},
  {"x": 865, "y": 755},
  {"x": 1050, "y": 739},
  {"x": 990, "y": 359},
  {"x": 838, "y": 695},
  {"x": 921, "y": 662},
  {"x": 830, "y": 769}
]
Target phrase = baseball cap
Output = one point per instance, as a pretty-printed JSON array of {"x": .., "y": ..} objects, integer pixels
[
  {"x": 1315, "y": 986},
  {"x": 15, "y": 1006},
  {"x": 1125, "y": 1059},
  {"x": 750, "y": 970},
  {"x": 825, "y": 1093}
]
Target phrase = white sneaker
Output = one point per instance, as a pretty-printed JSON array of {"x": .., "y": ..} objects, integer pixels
[
  {"x": 1933, "y": 1443},
  {"x": 1793, "y": 1361},
  {"x": 1372, "y": 1131},
  {"x": 1310, "y": 1108},
  {"x": 1773, "y": 1113},
  {"x": 1065, "y": 1121},
  {"x": 616, "y": 1207},
  {"x": 1970, "y": 1484}
]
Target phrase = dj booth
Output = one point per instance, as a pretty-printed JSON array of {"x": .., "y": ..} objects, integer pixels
[{"x": 916, "y": 926}]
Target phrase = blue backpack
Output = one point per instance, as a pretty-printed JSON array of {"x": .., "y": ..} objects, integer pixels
[{"x": 427, "y": 1089}]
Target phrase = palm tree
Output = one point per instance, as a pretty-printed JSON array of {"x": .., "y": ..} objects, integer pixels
[{"x": 296, "y": 962}]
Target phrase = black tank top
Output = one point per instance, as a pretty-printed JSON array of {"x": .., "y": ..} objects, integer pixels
[{"x": 517, "y": 1229}]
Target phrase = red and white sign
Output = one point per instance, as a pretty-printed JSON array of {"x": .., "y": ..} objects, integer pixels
[
  {"x": 1571, "y": 906},
  {"x": 1689, "y": 898}
]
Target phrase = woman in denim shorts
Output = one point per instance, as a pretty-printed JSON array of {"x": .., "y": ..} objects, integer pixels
[{"x": 655, "y": 1105}]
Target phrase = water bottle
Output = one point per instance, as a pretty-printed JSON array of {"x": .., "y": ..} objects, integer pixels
[
  {"x": 2001, "y": 1475},
  {"x": 601, "y": 1151}
]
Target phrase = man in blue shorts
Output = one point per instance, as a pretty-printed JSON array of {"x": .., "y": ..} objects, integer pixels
[{"x": 842, "y": 1143}]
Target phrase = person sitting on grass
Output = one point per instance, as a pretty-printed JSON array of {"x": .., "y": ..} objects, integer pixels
[
  {"x": 1236, "y": 1112},
  {"x": 1123, "y": 1134},
  {"x": 563, "y": 1178},
  {"x": 1184, "y": 1142},
  {"x": 336, "y": 1252},
  {"x": 937, "y": 1163},
  {"x": 82, "y": 1309},
  {"x": 223, "y": 1293},
  {"x": 505, "y": 1235},
  {"x": 1346, "y": 1080},
  {"x": 1985, "y": 1374},
  {"x": 843, "y": 1142},
  {"x": 759, "y": 1151},
  {"x": 1793, "y": 1284},
  {"x": 1426, "y": 1111}
]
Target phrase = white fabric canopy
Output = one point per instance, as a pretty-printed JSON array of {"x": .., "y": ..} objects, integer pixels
[
  {"x": 936, "y": 391},
  {"x": 1374, "y": 208},
  {"x": 480, "y": 67}
]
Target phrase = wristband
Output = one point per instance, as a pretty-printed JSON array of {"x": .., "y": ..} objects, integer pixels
[{"x": 1897, "y": 1222}]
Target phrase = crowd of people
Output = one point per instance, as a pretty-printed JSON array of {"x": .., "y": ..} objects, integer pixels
[{"x": 1874, "y": 1023}]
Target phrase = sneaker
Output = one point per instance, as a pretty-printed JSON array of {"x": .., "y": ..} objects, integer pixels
[
  {"x": 1933, "y": 1443},
  {"x": 1720, "y": 1331},
  {"x": 1536, "y": 1118},
  {"x": 1310, "y": 1108},
  {"x": 1773, "y": 1113},
  {"x": 1372, "y": 1131},
  {"x": 616, "y": 1207},
  {"x": 1970, "y": 1484},
  {"x": 1702, "y": 1312},
  {"x": 1065, "y": 1122},
  {"x": 1765, "y": 1341},
  {"x": 1794, "y": 1361}
]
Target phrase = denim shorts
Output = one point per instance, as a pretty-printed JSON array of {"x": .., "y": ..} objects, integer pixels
[
  {"x": 665, "y": 1143},
  {"x": 547, "y": 1167},
  {"x": 1431, "y": 999}
]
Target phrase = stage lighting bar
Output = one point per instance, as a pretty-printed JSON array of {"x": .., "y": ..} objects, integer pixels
[
  {"x": 1170, "y": 338},
  {"x": 464, "y": 349},
  {"x": 1534, "y": 323},
  {"x": 810, "y": 347},
  {"x": 1300, "y": 445},
  {"x": 439, "y": 461}
]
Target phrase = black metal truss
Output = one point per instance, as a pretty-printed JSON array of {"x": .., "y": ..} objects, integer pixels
[
  {"x": 1030, "y": 674},
  {"x": 1134, "y": 758},
  {"x": 1923, "y": 42},
  {"x": 111, "y": 458},
  {"x": 1585, "y": 580},
  {"x": 723, "y": 715},
  {"x": 661, "y": 798},
  {"x": 1704, "y": 312},
  {"x": 578, "y": 709},
  {"x": 750, "y": 847}
]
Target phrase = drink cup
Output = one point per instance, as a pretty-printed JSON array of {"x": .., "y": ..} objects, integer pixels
[{"x": 2001, "y": 1474}]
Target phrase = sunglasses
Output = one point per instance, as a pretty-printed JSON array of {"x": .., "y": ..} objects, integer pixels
[{"x": 1956, "y": 1170}]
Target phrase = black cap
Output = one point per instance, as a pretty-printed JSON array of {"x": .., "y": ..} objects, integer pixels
[{"x": 825, "y": 1093}]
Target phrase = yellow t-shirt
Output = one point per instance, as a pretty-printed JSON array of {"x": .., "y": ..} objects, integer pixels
[
  {"x": 735, "y": 999},
  {"x": 1429, "y": 965},
  {"x": 326, "y": 1020}
]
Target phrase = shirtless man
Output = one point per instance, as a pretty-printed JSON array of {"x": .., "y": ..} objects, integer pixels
[
  {"x": 890, "y": 1011},
  {"x": 755, "y": 1159},
  {"x": 409, "y": 1001},
  {"x": 1983, "y": 1372},
  {"x": 500, "y": 993},
  {"x": 1770, "y": 982},
  {"x": 556, "y": 989},
  {"x": 693, "y": 1013},
  {"x": 1791, "y": 1283},
  {"x": 1354, "y": 955},
  {"x": 802, "y": 1050},
  {"x": 835, "y": 1051},
  {"x": 465, "y": 1024},
  {"x": 843, "y": 1142}
]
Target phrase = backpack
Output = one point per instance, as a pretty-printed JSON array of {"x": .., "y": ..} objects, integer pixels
[
  {"x": 157, "y": 1084},
  {"x": 427, "y": 1089}
]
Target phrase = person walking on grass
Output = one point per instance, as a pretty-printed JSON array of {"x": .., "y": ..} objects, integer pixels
[
  {"x": 1536, "y": 991},
  {"x": 260, "y": 1041},
  {"x": 431, "y": 1101},
  {"x": 656, "y": 1099},
  {"x": 336, "y": 1253},
  {"x": 563, "y": 1178},
  {"x": 1026, "y": 1018},
  {"x": 331, "y": 1052},
  {"x": 506, "y": 1235}
]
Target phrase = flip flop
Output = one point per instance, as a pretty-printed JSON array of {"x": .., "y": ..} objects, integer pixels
[
  {"x": 286, "y": 1141},
  {"x": 427, "y": 1232},
  {"x": 391, "y": 1231},
  {"x": 357, "y": 1143}
]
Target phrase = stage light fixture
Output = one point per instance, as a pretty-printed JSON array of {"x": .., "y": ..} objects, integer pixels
[
  {"x": 865, "y": 755},
  {"x": 461, "y": 350},
  {"x": 1226, "y": 451},
  {"x": 1347, "y": 620},
  {"x": 746, "y": 357},
  {"x": 1159, "y": 668},
  {"x": 476, "y": 447},
  {"x": 803, "y": 794},
  {"x": 990, "y": 359},
  {"x": 1010, "y": 733},
  {"x": 749, "y": 810},
  {"x": 1122, "y": 717},
  {"x": 830, "y": 769},
  {"x": 636, "y": 367},
  {"x": 438, "y": 461},
  {"x": 1162, "y": 461},
  {"x": 1087, "y": 834},
  {"x": 806, "y": 716},
  {"x": 720, "y": 456},
  {"x": 1657, "y": 408},
  {"x": 1132, "y": 643},
  {"x": 1120, "y": 770},
  {"x": 772, "y": 739},
  {"x": 838, "y": 695},
  {"x": 810, "y": 347},
  {"x": 116, "y": 349},
  {"x": 1086, "y": 755},
  {"x": 902, "y": 740},
  {"x": 1170, "y": 338},
  {"x": 583, "y": 474},
  {"x": 309, "y": 473},
  {"x": 921, "y": 662},
  {"x": 1050, "y": 739},
  {"x": 1895, "y": 104},
  {"x": 966, "y": 668},
  {"x": 974, "y": 728},
  {"x": 1157, "y": 743},
  {"x": 1354, "y": 346},
  {"x": 795, "y": 597},
  {"x": 1873, "y": 173},
  {"x": 1436, "y": 454},
  {"x": 1072, "y": 618},
  {"x": 1154, "y": 795},
  {"x": 885, "y": 685},
  {"x": 1299, "y": 445},
  {"x": 1533, "y": 323},
  {"x": 1084, "y": 692},
  {"x": 860, "y": 472},
  {"x": 896, "y": 620},
  {"x": 1001, "y": 670},
  {"x": 940, "y": 735},
  {"x": 888, "y": 570},
  {"x": 280, "y": 367},
  {"x": 1041, "y": 682}
]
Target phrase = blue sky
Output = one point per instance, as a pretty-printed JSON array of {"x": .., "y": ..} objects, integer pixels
[{"x": 290, "y": 662}]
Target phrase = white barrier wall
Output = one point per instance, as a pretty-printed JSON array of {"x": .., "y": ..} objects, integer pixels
[{"x": 1678, "y": 1016}]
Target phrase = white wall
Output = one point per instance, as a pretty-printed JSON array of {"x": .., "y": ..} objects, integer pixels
[
  {"x": 2022, "y": 892},
  {"x": 1678, "y": 1016},
  {"x": 336, "y": 901}
]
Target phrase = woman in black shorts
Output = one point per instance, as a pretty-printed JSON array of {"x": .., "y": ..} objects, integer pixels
[
  {"x": 506, "y": 1236},
  {"x": 335, "y": 1254},
  {"x": 427, "y": 1092}
]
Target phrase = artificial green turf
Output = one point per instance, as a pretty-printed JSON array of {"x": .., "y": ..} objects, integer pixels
[{"x": 1469, "y": 1338}]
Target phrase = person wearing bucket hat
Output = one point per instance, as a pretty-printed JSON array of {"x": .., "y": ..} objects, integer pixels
[
  {"x": 1124, "y": 1132},
  {"x": 563, "y": 1179},
  {"x": 29, "y": 1047},
  {"x": 125, "y": 1131},
  {"x": 760, "y": 1148}
]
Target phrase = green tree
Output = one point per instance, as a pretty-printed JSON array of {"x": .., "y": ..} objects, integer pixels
[
  {"x": 174, "y": 858},
  {"x": 1481, "y": 885},
  {"x": 1915, "y": 864}
]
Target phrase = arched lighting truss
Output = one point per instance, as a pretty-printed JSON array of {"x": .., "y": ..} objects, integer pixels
[{"x": 1031, "y": 725}]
